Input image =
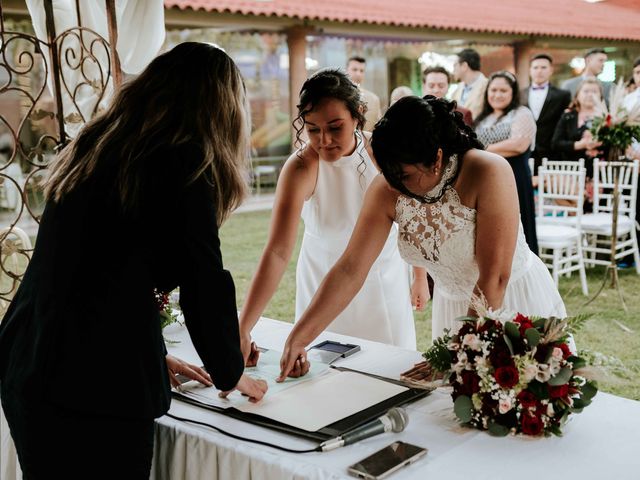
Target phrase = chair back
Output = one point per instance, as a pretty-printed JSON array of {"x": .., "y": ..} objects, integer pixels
[
  {"x": 603, "y": 183},
  {"x": 561, "y": 195},
  {"x": 571, "y": 165}
]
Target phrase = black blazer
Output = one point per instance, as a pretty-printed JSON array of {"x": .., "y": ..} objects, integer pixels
[
  {"x": 554, "y": 105},
  {"x": 566, "y": 134},
  {"x": 83, "y": 329}
]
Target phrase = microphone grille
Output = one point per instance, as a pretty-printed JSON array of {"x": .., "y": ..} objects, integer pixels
[{"x": 399, "y": 419}]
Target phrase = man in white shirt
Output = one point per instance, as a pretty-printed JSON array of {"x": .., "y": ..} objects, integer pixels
[
  {"x": 473, "y": 83},
  {"x": 355, "y": 70},
  {"x": 547, "y": 104}
]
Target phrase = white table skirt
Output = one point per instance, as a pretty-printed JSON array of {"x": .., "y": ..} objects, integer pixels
[{"x": 602, "y": 442}]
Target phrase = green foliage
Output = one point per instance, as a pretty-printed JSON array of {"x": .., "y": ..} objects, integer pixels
[
  {"x": 438, "y": 354},
  {"x": 614, "y": 135},
  {"x": 463, "y": 408}
]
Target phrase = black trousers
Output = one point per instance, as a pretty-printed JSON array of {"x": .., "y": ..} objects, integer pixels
[{"x": 54, "y": 442}]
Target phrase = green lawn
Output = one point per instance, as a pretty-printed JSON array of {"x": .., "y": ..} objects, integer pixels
[{"x": 617, "y": 350}]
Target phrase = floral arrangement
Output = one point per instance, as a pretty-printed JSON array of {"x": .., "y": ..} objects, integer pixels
[
  {"x": 167, "y": 310},
  {"x": 513, "y": 375},
  {"x": 617, "y": 127}
]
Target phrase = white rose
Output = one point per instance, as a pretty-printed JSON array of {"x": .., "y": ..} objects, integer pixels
[
  {"x": 529, "y": 372},
  {"x": 557, "y": 354},
  {"x": 543, "y": 374},
  {"x": 472, "y": 341},
  {"x": 504, "y": 405},
  {"x": 550, "y": 411}
]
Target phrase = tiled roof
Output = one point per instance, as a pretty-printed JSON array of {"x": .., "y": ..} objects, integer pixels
[{"x": 606, "y": 20}]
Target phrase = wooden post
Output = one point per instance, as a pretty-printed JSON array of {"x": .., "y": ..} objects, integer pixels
[{"x": 297, "y": 45}]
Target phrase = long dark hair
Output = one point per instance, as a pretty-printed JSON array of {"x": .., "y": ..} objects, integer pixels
[
  {"x": 329, "y": 83},
  {"x": 515, "y": 95},
  {"x": 411, "y": 132},
  {"x": 193, "y": 94}
]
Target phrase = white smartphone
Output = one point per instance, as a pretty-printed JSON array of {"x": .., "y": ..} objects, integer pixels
[{"x": 386, "y": 461}]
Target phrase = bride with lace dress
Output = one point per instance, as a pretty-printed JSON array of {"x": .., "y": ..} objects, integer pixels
[{"x": 456, "y": 208}]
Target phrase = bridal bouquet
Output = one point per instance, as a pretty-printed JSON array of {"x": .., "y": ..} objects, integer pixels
[
  {"x": 513, "y": 376},
  {"x": 617, "y": 127}
]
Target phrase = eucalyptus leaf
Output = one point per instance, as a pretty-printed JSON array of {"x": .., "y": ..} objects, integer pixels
[
  {"x": 533, "y": 337},
  {"x": 498, "y": 430},
  {"x": 463, "y": 408},
  {"x": 511, "y": 329},
  {"x": 589, "y": 390},
  {"x": 561, "y": 378},
  {"x": 507, "y": 340},
  {"x": 577, "y": 362},
  {"x": 539, "y": 323}
]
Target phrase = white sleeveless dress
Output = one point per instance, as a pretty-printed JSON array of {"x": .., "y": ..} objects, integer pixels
[
  {"x": 381, "y": 311},
  {"x": 441, "y": 237}
]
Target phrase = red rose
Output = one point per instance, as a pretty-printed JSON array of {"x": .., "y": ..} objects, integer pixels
[
  {"x": 531, "y": 425},
  {"x": 507, "y": 376},
  {"x": 524, "y": 323},
  {"x": 487, "y": 325},
  {"x": 527, "y": 399},
  {"x": 566, "y": 353},
  {"x": 608, "y": 120},
  {"x": 500, "y": 356},
  {"x": 561, "y": 391},
  {"x": 471, "y": 382}
]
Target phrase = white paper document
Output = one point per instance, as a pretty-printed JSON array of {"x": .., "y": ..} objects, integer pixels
[
  {"x": 313, "y": 405},
  {"x": 268, "y": 369}
]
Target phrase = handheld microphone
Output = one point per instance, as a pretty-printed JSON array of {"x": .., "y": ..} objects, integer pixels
[{"x": 394, "y": 420}]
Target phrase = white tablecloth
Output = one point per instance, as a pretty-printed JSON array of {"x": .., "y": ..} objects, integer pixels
[{"x": 602, "y": 442}]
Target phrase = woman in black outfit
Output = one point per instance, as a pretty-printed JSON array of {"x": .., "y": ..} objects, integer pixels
[
  {"x": 133, "y": 204},
  {"x": 572, "y": 137}
]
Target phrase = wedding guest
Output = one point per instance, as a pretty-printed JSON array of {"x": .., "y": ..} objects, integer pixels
[
  {"x": 507, "y": 128},
  {"x": 456, "y": 209},
  {"x": 594, "y": 60},
  {"x": 325, "y": 182},
  {"x": 435, "y": 81},
  {"x": 83, "y": 366},
  {"x": 356, "y": 67},
  {"x": 572, "y": 137},
  {"x": 547, "y": 103},
  {"x": 398, "y": 93},
  {"x": 473, "y": 83},
  {"x": 633, "y": 97}
]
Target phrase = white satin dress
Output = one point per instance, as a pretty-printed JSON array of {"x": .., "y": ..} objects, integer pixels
[{"x": 381, "y": 311}]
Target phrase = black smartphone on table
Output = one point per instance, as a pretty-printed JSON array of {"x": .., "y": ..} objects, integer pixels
[{"x": 386, "y": 461}]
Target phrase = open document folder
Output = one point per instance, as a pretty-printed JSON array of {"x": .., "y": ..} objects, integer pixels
[{"x": 320, "y": 398}]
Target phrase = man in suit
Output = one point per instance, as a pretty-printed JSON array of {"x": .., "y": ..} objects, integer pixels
[
  {"x": 435, "y": 81},
  {"x": 547, "y": 104},
  {"x": 594, "y": 61},
  {"x": 355, "y": 70},
  {"x": 473, "y": 83}
]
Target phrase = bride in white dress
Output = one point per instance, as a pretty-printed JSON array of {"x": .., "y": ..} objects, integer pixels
[
  {"x": 325, "y": 181},
  {"x": 456, "y": 207}
]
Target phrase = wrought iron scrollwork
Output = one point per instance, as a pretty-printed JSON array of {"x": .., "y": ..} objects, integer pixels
[{"x": 36, "y": 122}]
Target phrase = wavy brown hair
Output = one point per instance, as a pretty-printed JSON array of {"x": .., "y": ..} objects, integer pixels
[{"x": 190, "y": 95}]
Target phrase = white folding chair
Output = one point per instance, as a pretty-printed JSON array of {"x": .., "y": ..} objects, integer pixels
[
  {"x": 570, "y": 165},
  {"x": 598, "y": 225},
  {"x": 558, "y": 222}
]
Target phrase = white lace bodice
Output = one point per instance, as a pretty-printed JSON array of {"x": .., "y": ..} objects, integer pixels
[{"x": 441, "y": 237}]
